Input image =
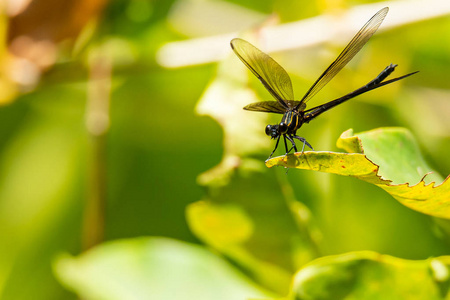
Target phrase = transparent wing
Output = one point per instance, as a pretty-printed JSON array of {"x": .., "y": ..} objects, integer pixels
[
  {"x": 274, "y": 78},
  {"x": 358, "y": 41},
  {"x": 272, "y": 106}
]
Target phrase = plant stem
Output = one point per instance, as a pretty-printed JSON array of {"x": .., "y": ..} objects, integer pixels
[{"x": 97, "y": 123}]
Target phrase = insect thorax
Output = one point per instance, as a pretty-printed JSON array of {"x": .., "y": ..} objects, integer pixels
[{"x": 293, "y": 120}]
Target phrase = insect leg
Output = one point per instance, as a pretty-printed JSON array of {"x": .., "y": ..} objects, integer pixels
[
  {"x": 285, "y": 144},
  {"x": 276, "y": 146},
  {"x": 293, "y": 144},
  {"x": 304, "y": 142}
]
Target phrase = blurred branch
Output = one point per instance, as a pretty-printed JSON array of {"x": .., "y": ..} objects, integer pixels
[
  {"x": 304, "y": 33},
  {"x": 97, "y": 123},
  {"x": 39, "y": 29},
  {"x": 190, "y": 16}
]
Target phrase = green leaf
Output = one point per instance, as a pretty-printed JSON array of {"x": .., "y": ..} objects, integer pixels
[
  {"x": 395, "y": 150},
  {"x": 369, "y": 275},
  {"x": 389, "y": 158},
  {"x": 154, "y": 268}
]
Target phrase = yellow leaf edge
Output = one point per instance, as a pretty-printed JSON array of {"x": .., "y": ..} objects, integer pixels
[{"x": 429, "y": 198}]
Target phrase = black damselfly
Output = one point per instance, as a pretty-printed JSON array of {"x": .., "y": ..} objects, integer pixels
[{"x": 276, "y": 80}]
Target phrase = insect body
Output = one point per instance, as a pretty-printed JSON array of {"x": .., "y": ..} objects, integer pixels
[{"x": 276, "y": 80}]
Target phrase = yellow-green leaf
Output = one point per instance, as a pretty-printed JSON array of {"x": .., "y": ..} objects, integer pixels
[
  {"x": 387, "y": 157},
  {"x": 370, "y": 275}
]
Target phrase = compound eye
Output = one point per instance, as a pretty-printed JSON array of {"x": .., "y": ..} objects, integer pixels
[
  {"x": 283, "y": 127},
  {"x": 269, "y": 130}
]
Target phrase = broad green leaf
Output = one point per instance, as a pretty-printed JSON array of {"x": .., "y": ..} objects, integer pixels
[
  {"x": 389, "y": 158},
  {"x": 154, "y": 268},
  {"x": 370, "y": 275}
]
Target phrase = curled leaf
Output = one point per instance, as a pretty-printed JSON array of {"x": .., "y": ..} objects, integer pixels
[{"x": 387, "y": 157}]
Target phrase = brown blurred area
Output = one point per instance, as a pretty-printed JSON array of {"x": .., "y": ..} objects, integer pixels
[{"x": 35, "y": 29}]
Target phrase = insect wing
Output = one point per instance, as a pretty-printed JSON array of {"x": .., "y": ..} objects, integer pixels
[
  {"x": 274, "y": 78},
  {"x": 358, "y": 41},
  {"x": 272, "y": 106}
]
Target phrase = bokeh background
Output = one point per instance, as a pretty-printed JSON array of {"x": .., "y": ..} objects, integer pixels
[{"x": 108, "y": 121}]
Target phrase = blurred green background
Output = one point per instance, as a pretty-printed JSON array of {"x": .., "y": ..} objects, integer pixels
[{"x": 93, "y": 115}]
